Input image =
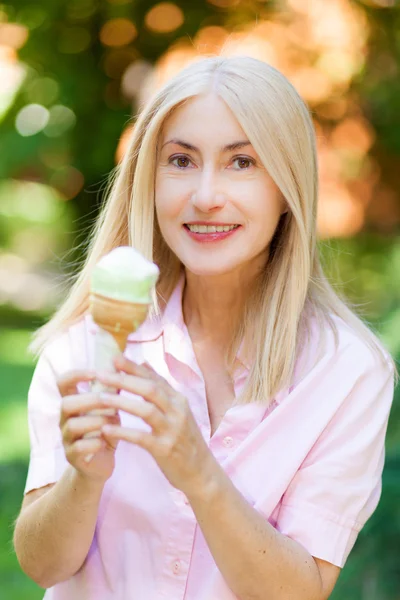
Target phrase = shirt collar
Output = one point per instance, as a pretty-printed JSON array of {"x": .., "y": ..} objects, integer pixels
[{"x": 173, "y": 323}]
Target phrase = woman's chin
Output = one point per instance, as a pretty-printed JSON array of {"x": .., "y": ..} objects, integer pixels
[{"x": 208, "y": 270}]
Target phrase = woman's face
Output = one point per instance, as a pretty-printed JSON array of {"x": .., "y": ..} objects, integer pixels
[{"x": 209, "y": 177}]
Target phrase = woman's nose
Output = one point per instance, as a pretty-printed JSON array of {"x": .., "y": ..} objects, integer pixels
[{"x": 208, "y": 195}]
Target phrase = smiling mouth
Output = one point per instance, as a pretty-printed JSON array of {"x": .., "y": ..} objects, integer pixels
[{"x": 210, "y": 228}]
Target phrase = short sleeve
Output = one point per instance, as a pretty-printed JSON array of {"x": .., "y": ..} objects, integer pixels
[
  {"x": 47, "y": 457},
  {"x": 71, "y": 349},
  {"x": 338, "y": 485}
]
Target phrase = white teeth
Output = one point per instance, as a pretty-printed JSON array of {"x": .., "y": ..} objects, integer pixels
[{"x": 210, "y": 228}]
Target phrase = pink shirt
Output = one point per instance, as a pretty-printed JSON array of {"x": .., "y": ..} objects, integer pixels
[{"x": 311, "y": 463}]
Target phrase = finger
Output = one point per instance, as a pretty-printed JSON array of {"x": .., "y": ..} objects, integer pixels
[
  {"x": 103, "y": 412},
  {"x": 143, "y": 370},
  {"x": 79, "y": 403},
  {"x": 114, "y": 432},
  {"x": 68, "y": 381},
  {"x": 81, "y": 448},
  {"x": 149, "y": 389},
  {"x": 123, "y": 363},
  {"x": 76, "y": 427},
  {"x": 147, "y": 411}
]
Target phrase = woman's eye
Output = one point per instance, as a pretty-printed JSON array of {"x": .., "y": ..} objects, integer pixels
[
  {"x": 243, "y": 162},
  {"x": 180, "y": 161}
]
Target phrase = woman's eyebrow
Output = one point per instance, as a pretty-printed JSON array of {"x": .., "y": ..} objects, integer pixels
[{"x": 227, "y": 148}]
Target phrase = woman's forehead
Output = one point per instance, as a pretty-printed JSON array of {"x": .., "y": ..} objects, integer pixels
[{"x": 200, "y": 119}]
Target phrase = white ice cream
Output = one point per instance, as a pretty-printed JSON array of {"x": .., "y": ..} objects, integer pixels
[{"x": 124, "y": 274}]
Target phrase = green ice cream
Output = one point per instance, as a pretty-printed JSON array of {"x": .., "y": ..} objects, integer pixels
[{"x": 124, "y": 274}]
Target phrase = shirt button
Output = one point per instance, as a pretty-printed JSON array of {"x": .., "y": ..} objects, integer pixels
[
  {"x": 228, "y": 441},
  {"x": 176, "y": 567}
]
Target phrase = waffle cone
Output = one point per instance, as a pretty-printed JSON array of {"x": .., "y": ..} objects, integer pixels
[{"x": 117, "y": 317}]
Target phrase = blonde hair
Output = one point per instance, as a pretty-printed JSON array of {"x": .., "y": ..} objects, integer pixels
[{"x": 293, "y": 287}]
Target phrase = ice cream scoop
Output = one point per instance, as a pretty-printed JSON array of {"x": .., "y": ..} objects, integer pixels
[
  {"x": 120, "y": 294},
  {"x": 124, "y": 274}
]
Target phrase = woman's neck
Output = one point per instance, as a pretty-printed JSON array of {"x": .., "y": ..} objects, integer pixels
[{"x": 213, "y": 306}]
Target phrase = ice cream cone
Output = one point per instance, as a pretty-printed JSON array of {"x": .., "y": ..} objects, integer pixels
[{"x": 118, "y": 317}]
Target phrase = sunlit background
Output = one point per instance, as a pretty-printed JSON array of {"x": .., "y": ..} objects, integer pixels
[{"x": 73, "y": 76}]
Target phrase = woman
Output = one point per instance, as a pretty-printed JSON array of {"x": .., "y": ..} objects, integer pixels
[{"x": 249, "y": 445}]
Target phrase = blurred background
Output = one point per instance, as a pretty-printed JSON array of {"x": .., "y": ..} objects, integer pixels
[{"x": 73, "y": 76}]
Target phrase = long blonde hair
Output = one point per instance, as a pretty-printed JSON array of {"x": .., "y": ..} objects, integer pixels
[{"x": 293, "y": 287}]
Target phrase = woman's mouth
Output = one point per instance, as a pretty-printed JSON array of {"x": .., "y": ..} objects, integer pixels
[{"x": 210, "y": 233}]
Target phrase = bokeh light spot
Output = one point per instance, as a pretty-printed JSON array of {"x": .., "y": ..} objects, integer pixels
[
  {"x": 339, "y": 66},
  {"x": 55, "y": 155},
  {"x": 74, "y": 40},
  {"x": 164, "y": 17},
  {"x": 30, "y": 201},
  {"x": 43, "y": 90},
  {"x": 355, "y": 134},
  {"x": 334, "y": 109},
  {"x": 135, "y": 77},
  {"x": 68, "y": 181},
  {"x": 210, "y": 39},
  {"x": 31, "y": 16},
  {"x": 339, "y": 213},
  {"x": 312, "y": 84},
  {"x": 61, "y": 118},
  {"x": 31, "y": 119},
  {"x": 34, "y": 243},
  {"x": 117, "y": 32},
  {"x": 79, "y": 10},
  {"x": 39, "y": 290},
  {"x": 13, "y": 35}
]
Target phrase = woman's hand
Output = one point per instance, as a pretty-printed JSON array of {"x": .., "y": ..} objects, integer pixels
[
  {"x": 175, "y": 442},
  {"x": 74, "y": 423}
]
